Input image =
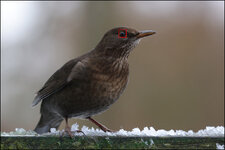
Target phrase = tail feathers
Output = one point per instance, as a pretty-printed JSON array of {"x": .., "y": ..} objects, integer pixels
[
  {"x": 46, "y": 123},
  {"x": 41, "y": 130}
]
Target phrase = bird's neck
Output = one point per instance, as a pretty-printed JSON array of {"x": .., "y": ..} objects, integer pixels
[
  {"x": 108, "y": 64},
  {"x": 112, "y": 53}
]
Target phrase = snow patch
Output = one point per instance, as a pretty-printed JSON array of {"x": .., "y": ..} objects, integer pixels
[
  {"x": 218, "y": 146},
  {"x": 19, "y": 132},
  {"x": 209, "y": 131}
]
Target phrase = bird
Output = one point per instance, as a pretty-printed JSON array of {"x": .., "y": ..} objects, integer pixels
[{"x": 89, "y": 84}]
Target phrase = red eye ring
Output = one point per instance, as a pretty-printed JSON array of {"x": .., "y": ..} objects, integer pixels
[{"x": 122, "y": 31}]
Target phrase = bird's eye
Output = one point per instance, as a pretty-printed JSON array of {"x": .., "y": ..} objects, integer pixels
[{"x": 122, "y": 34}]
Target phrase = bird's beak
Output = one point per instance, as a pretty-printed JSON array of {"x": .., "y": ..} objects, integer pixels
[{"x": 145, "y": 33}]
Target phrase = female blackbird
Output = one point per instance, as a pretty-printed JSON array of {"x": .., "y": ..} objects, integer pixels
[{"x": 88, "y": 85}]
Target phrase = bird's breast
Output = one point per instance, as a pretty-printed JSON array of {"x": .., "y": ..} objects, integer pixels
[{"x": 109, "y": 81}]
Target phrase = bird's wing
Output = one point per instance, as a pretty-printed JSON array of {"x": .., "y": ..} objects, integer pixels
[{"x": 59, "y": 80}]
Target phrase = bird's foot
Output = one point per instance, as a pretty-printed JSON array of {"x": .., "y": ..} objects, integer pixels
[{"x": 71, "y": 133}]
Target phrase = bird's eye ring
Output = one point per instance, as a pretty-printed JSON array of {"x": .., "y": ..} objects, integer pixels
[{"x": 122, "y": 33}]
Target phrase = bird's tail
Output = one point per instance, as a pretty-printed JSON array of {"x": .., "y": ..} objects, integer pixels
[{"x": 47, "y": 122}]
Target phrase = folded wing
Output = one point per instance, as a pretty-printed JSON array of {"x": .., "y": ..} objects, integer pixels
[{"x": 59, "y": 80}]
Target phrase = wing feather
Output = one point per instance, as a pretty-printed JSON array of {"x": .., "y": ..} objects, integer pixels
[{"x": 59, "y": 80}]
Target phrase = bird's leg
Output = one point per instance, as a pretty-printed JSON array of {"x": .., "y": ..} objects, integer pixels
[
  {"x": 68, "y": 129},
  {"x": 104, "y": 128}
]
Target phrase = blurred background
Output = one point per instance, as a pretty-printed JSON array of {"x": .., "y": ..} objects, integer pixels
[{"x": 176, "y": 76}]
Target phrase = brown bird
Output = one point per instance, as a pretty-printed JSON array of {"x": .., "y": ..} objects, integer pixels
[{"x": 88, "y": 85}]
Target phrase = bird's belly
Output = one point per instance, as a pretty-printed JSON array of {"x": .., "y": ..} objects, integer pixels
[{"x": 90, "y": 99}]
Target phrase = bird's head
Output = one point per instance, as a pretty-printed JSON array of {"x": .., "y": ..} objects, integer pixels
[{"x": 118, "y": 42}]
